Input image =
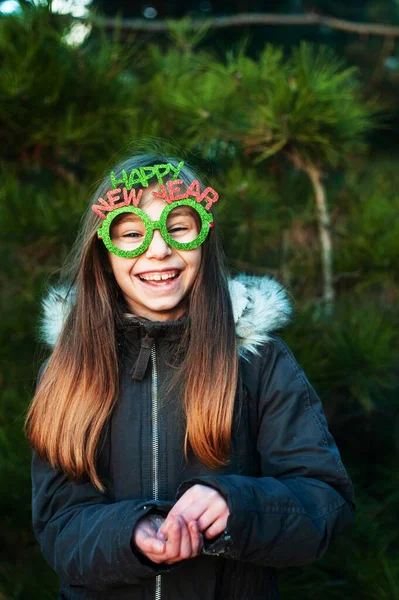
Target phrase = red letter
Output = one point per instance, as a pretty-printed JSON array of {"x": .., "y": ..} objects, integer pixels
[
  {"x": 114, "y": 196},
  {"x": 194, "y": 190},
  {"x": 99, "y": 210},
  {"x": 162, "y": 194},
  {"x": 210, "y": 198},
  {"x": 132, "y": 198},
  {"x": 173, "y": 188}
]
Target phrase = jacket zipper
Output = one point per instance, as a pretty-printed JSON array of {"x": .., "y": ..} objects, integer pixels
[{"x": 155, "y": 447}]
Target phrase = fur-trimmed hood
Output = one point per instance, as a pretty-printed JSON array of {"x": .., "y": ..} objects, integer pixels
[{"x": 260, "y": 306}]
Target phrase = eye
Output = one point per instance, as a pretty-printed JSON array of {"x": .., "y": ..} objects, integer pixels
[
  {"x": 132, "y": 234},
  {"x": 176, "y": 228}
]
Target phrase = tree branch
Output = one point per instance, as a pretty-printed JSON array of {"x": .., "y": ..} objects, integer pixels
[
  {"x": 243, "y": 19},
  {"x": 323, "y": 218}
]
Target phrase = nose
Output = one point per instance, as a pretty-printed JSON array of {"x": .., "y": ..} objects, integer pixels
[{"x": 158, "y": 248}]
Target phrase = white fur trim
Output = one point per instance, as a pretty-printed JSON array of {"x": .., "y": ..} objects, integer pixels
[
  {"x": 266, "y": 309},
  {"x": 260, "y": 306},
  {"x": 56, "y": 307}
]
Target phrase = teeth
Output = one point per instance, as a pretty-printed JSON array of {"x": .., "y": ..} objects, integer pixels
[{"x": 158, "y": 277}]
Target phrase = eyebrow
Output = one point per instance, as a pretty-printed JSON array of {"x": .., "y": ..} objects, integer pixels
[
  {"x": 181, "y": 211},
  {"x": 131, "y": 217}
]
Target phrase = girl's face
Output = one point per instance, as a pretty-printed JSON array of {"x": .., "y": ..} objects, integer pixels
[{"x": 155, "y": 284}]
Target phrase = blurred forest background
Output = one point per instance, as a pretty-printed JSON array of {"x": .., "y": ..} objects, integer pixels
[{"x": 298, "y": 125}]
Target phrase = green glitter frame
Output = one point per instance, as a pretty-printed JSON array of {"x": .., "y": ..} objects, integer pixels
[{"x": 206, "y": 223}]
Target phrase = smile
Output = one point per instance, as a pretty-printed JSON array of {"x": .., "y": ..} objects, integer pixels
[{"x": 159, "y": 277}]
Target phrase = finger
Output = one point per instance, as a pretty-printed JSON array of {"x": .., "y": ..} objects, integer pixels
[
  {"x": 165, "y": 529},
  {"x": 196, "y": 542},
  {"x": 216, "y": 528},
  {"x": 185, "y": 541},
  {"x": 140, "y": 536},
  {"x": 156, "y": 546},
  {"x": 173, "y": 540},
  {"x": 190, "y": 496},
  {"x": 155, "y": 557},
  {"x": 192, "y": 513},
  {"x": 194, "y": 510},
  {"x": 206, "y": 510},
  {"x": 196, "y": 538},
  {"x": 210, "y": 516},
  {"x": 148, "y": 543},
  {"x": 161, "y": 536},
  {"x": 182, "y": 503}
]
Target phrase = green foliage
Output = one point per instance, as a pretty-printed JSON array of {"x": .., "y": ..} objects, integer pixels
[
  {"x": 311, "y": 109},
  {"x": 252, "y": 216},
  {"x": 361, "y": 357},
  {"x": 359, "y": 564},
  {"x": 184, "y": 36},
  {"x": 352, "y": 358},
  {"x": 62, "y": 116},
  {"x": 368, "y": 227},
  {"x": 198, "y": 102}
]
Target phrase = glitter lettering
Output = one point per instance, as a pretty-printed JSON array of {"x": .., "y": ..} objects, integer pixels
[
  {"x": 194, "y": 190},
  {"x": 162, "y": 193},
  {"x": 210, "y": 195},
  {"x": 171, "y": 192},
  {"x": 115, "y": 201},
  {"x": 114, "y": 196},
  {"x": 174, "y": 189},
  {"x": 144, "y": 177},
  {"x": 132, "y": 198},
  {"x": 135, "y": 179},
  {"x": 123, "y": 179},
  {"x": 161, "y": 171},
  {"x": 102, "y": 208},
  {"x": 176, "y": 170}
]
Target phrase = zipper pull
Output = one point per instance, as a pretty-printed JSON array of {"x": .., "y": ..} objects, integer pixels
[{"x": 142, "y": 361}]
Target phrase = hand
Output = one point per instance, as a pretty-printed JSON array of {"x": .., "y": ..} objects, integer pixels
[
  {"x": 204, "y": 505},
  {"x": 181, "y": 541}
]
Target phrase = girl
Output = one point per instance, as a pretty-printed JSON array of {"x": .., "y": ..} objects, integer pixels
[{"x": 179, "y": 451}]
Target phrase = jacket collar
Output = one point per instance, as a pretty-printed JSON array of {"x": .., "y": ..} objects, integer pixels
[
  {"x": 135, "y": 328},
  {"x": 260, "y": 307}
]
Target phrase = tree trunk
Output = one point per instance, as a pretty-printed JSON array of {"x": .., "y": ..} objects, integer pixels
[{"x": 323, "y": 217}]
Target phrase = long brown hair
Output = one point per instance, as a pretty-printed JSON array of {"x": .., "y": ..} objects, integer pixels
[{"x": 79, "y": 386}]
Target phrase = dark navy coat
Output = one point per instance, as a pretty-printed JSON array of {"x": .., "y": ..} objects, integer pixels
[{"x": 288, "y": 492}]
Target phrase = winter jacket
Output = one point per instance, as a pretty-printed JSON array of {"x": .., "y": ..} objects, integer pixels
[{"x": 285, "y": 485}]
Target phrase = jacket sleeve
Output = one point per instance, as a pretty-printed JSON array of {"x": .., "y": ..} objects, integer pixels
[
  {"x": 304, "y": 497},
  {"x": 84, "y": 536}
]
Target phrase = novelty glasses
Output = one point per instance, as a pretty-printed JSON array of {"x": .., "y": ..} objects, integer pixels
[{"x": 128, "y": 231}]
